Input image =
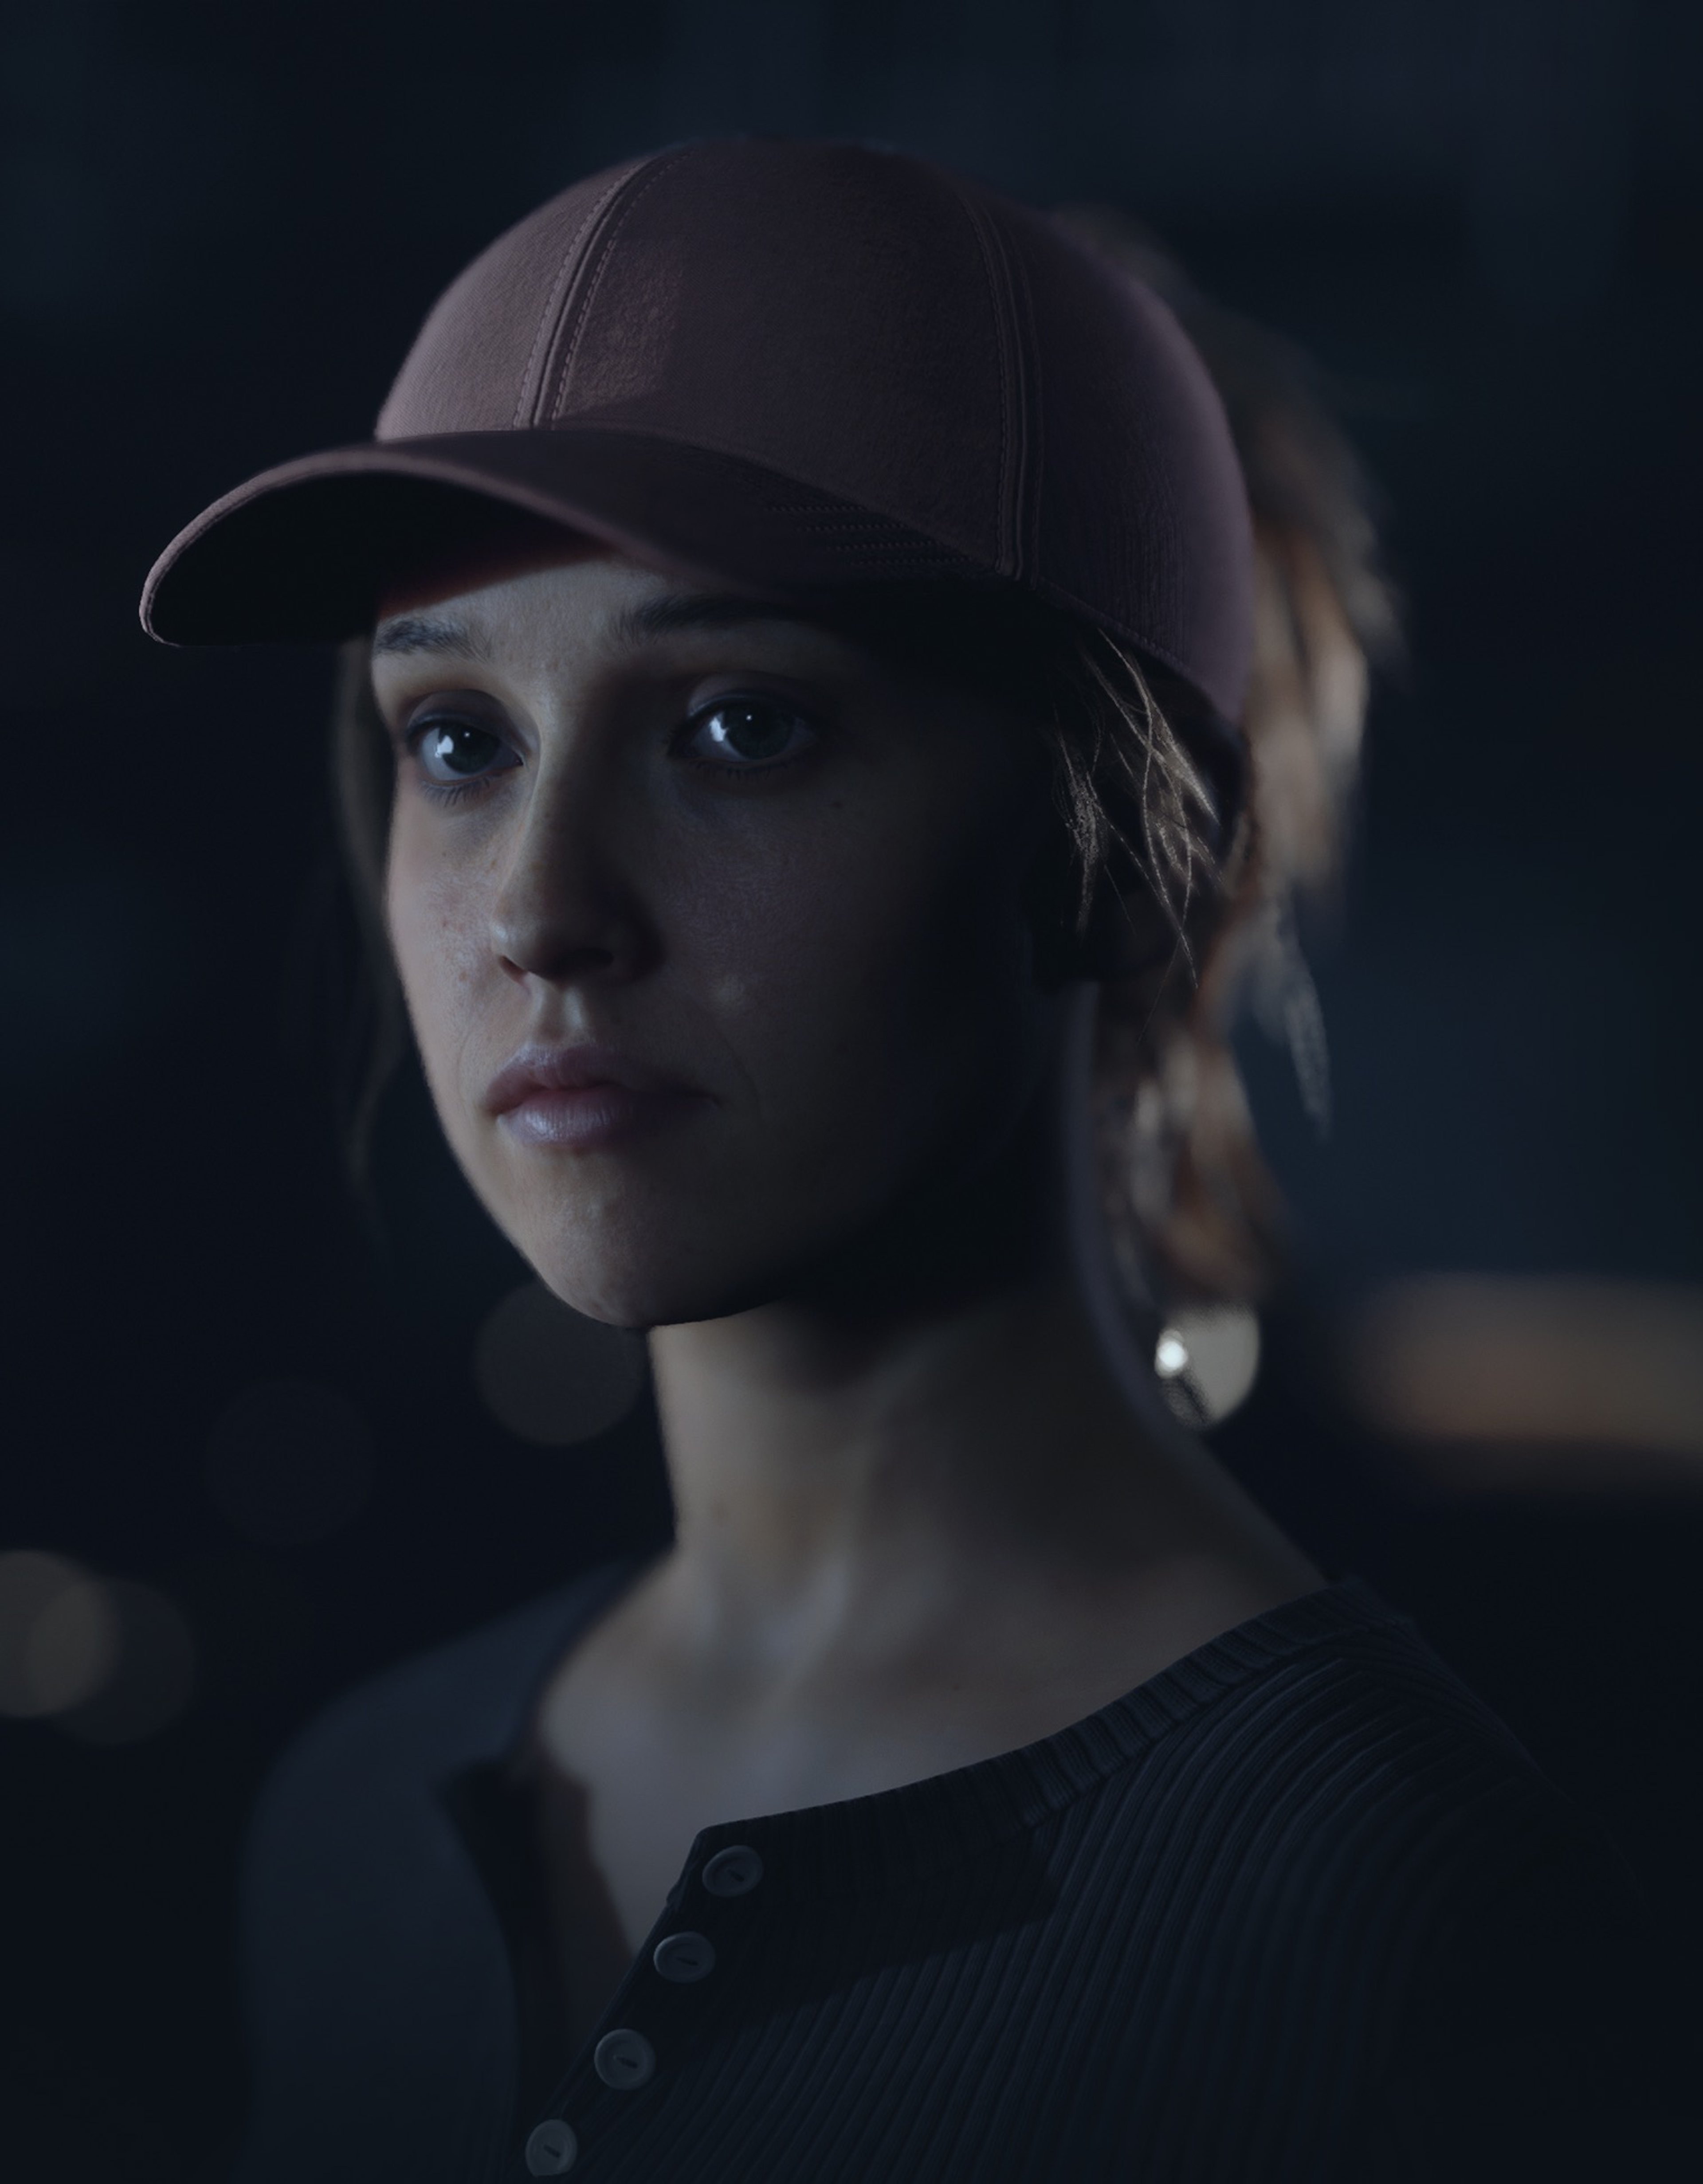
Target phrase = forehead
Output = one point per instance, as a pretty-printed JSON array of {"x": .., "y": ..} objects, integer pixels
[{"x": 587, "y": 598}]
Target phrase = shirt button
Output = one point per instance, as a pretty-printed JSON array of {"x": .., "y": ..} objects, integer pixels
[
  {"x": 684, "y": 1957},
  {"x": 552, "y": 2148},
  {"x": 624, "y": 2059},
  {"x": 734, "y": 1871}
]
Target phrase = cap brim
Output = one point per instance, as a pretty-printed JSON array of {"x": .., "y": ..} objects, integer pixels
[{"x": 308, "y": 550}]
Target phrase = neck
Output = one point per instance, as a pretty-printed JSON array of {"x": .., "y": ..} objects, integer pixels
[
  {"x": 795, "y": 1438},
  {"x": 949, "y": 1409}
]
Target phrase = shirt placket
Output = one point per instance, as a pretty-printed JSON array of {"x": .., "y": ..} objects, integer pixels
[{"x": 669, "y": 1995}]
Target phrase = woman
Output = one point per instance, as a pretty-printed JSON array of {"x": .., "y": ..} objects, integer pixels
[{"x": 809, "y": 606}]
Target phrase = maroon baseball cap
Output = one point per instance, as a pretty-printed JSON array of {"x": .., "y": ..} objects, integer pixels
[{"x": 792, "y": 365}]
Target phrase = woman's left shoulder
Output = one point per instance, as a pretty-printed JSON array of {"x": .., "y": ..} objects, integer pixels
[
  {"x": 1368, "y": 1754},
  {"x": 1519, "y": 1970}
]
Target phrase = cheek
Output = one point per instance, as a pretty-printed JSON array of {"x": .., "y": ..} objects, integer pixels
[
  {"x": 437, "y": 912},
  {"x": 877, "y": 984}
]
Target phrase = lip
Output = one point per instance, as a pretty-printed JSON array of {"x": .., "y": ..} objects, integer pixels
[{"x": 584, "y": 1098}]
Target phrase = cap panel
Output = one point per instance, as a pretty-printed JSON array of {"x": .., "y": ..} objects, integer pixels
[
  {"x": 1143, "y": 511},
  {"x": 791, "y": 363},
  {"x": 605, "y": 246},
  {"x": 487, "y": 335},
  {"x": 823, "y": 311}
]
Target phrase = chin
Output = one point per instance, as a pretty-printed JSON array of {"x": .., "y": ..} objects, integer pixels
[
  {"x": 663, "y": 1238},
  {"x": 659, "y": 1275},
  {"x": 639, "y": 1298}
]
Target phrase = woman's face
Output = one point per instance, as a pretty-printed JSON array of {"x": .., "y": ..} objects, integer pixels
[{"x": 711, "y": 927}]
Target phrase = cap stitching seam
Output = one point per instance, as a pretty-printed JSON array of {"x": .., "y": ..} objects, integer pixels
[
  {"x": 603, "y": 244},
  {"x": 1032, "y": 411},
  {"x": 997, "y": 274},
  {"x": 1012, "y": 481},
  {"x": 570, "y": 260}
]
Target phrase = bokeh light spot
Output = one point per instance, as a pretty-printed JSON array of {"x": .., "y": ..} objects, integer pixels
[
  {"x": 289, "y": 1461},
  {"x": 550, "y": 1375},
  {"x": 153, "y": 1675},
  {"x": 1495, "y": 1382},
  {"x": 59, "y": 1634}
]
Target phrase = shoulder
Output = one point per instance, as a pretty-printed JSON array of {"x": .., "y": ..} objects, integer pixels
[
  {"x": 1330, "y": 1794},
  {"x": 1332, "y": 1708},
  {"x": 1437, "y": 1892},
  {"x": 1351, "y": 1880},
  {"x": 376, "y": 1986},
  {"x": 1341, "y": 1694},
  {"x": 458, "y": 1702},
  {"x": 1379, "y": 1774},
  {"x": 352, "y": 1832}
]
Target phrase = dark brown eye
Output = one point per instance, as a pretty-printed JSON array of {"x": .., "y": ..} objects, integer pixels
[
  {"x": 459, "y": 750},
  {"x": 745, "y": 733}
]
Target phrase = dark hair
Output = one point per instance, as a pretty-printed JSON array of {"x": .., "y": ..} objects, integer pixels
[{"x": 1220, "y": 827}]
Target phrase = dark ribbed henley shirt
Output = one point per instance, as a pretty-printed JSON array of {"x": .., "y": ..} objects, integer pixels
[{"x": 1297, "y": 1908}]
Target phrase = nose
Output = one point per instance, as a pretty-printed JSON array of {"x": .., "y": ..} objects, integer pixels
[{"x": 564, "y": 913}]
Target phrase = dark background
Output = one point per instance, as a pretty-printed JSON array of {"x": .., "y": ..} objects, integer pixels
[{"x": 219, "y": 229}]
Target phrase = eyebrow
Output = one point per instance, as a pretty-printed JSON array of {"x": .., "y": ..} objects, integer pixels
[
  {"x": 430, "y": 633},
  {"x": 657, "y": 617}
]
